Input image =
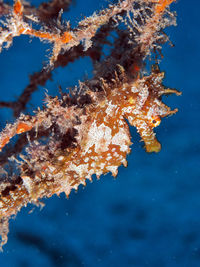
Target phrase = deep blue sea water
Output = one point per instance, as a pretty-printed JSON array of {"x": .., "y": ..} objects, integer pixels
[{"x": 149, "y": 215}]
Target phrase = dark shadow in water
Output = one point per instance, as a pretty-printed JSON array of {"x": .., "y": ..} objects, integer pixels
[{"x": 59, "y": 257}]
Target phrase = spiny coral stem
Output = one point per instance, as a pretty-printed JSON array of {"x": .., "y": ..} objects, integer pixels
[
  {"x": 161, "y": 5},
  {"x": 26, "y": 123},
  {"x": 10, "y": 131},
  {"x": 152, "y": 26},
  {"x": 86, "y": 30},
  {"x": 63, "y": 38}
]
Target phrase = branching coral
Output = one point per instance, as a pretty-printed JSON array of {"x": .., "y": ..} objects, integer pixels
[{"x": 86, "y": 132}]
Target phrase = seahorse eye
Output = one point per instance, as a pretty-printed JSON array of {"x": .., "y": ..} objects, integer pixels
[{"x": 155, "y": 121}]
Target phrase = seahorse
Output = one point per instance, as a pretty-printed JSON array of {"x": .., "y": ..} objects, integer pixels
[{"x": 99, "y": 142}]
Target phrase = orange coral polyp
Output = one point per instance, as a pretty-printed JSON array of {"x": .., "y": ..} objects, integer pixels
[
  {"x": 23, "y": 127},
  {"x": 66, "y": 37},
  {"x": 4, "y": 142},
  {"x": 18, "y": 8},
  {"x": 43, "y": 35},
  {"x": 161, "y": 5}
]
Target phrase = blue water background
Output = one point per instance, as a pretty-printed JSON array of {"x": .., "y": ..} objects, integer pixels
[{"x": 150, "y": 214}]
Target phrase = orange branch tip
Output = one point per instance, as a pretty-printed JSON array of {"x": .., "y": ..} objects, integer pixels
[
  {"x": 18, "y": 8},
  {"x": 23, "y": 127},
  {"x": 161, "y": 5}
]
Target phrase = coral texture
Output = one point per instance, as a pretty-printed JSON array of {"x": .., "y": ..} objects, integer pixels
[{"x": 85, "y": 131}]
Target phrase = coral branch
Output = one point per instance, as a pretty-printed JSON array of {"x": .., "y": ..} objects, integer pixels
[
  {"x": 85, "y": 31},
  {"x": 87, "y": 28},
  {"x": 153, "y": 25}
]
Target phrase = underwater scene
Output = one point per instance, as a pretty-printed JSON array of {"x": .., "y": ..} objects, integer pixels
[{"x": 144, "y": 214}]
